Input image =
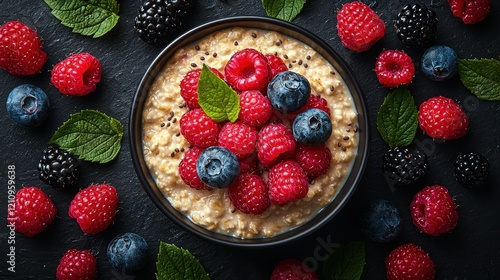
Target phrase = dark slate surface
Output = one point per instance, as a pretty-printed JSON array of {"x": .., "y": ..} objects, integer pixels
[{"x": 472, "y": 251}]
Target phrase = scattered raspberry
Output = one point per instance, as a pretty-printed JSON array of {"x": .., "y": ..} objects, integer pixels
[
  {"x": 247, "y": 69},
  {"x": 249, "y": 194},
  {"x": 434, "y": 211},
  {"x": 255, "y": 108},
  {"x": 187, "y": 169},
  {"x": 442, "y": 118},
  {"x": 238, "y": 138},
  {"x": 248, "y": 164},
  {"x": 189, "y": 87},
  {"x": 21, "y": 51},
  {"x": 394, "y": 68},
  {"x": 358, "y": 26},
  {"x": 470, "y": 11},
  {"x": 77, "y": 75},
  {"x": 409, "y": 262},
  {"x": 274, "y": 142},
  {"x": 315, "y": 101},
  {"x": 287, "y": 181},
  {"x": 94, "y": 207},
  {"x": 314, "y": 160},
  {"x": 76, "y": 265},
  {"x": 199, "y": 129},
  {"x": 293, "y": 269},
  {"x": 33, "y": 211},
  {"x": 276, "y": 65}
]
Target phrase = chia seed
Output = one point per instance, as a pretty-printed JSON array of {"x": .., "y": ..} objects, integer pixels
[{"x": 194, "y": 65}]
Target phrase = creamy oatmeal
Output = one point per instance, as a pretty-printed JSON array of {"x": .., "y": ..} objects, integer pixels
[{"x": 164, "y": 145}]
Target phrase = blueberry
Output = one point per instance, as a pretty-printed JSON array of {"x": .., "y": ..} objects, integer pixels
[
  {"x": 217, "y": 167},
  {"x": 439, "y": 63},
  {"x": 288, "y": 91},
  {"x": 380, "y": 221},
  {"x": 28, "y": 105},
  {"x": 128, "y": 252},
  {"x": 312, "y": 127}
]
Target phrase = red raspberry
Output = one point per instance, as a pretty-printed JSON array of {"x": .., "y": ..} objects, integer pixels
[
  {"x": 32, "y": 211},
  {"x": 199, "y": 129},
  {"x": 187, "y": 169},
  {"x": 77, "y": 75},
  {"x": 315, "y": 101},
  {"x": 248, "y": 164},
  {"x": 21, "y": 51},
  {"x": 249, "y": 194},
  {"x": 274, "y": 142},
  {"x": 76, "y": 265},
  {"x": 255, "y": 108},
  {"x": 94, "y": 207},
  {"x": 394, "y": 68},
  {"x": 442, "y": 118},
  {"x": 409, "y": 262},
  {"x": 293, "y": 269},
  {"x": 239, "y": 138},
  {"x": 314, "y": 160},
  {"x": 276, "y": 65},
  {"x": 247, "y": 69},
  {"x": 470, "y": 11},
  {"x": 189, "y": 87},
  {"x": 434, "y": 211},
  {"x": 287, "y": 181},
  {"x": 358, "y": 26}
]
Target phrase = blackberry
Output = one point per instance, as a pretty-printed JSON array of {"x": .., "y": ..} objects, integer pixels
[
  {"x": 416, "y": 25},
  {"x": 58, "y": 168},
  {"x": 401, "y": 166},
  {"x": 471, "y": 169},
  {"x": 157, "y": 17}
]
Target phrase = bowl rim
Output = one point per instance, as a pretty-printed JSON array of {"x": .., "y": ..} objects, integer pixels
[{"x": 258, "y": 22}]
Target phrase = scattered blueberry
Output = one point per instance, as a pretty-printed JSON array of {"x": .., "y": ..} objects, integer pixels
[
  {"x": 439, "y": 63},
  {"x": 380, "y": 221},
  {"x": 28, "y": 105},
  {"x": 312, "y": 127},
  {"x": 128, "y": 252},
  {"x": 217, "y": 167},
  {"x": 288, "y": 91}
]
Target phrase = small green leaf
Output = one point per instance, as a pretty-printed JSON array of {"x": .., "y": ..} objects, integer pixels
[
  {"x": 481, "y": 77},
  {"x": 91, "y": 135},
  {"x": 346, "y": 262},
  {"x": 177, "y": 263},
  {"x": 283, "y": 9},
  {"x": 216, "y": 98},
  {"x": 397, "y": 119},
  {"x": 87, "y": 17}
]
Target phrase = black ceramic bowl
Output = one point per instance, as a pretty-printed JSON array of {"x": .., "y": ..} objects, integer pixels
[{"x": 291, "y": 30}]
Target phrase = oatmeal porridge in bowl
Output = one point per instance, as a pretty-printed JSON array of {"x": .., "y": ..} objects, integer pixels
[{"x": 271, "y": 186}]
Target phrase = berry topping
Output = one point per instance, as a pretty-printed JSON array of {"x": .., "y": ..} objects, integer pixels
[
  {"x": 471, "y": 169},
  {"x": 312, "y": 127},
  {"x": 287, "y": 182},
  {"x": 21, "y": 51},
  {"x": 394, "y": 68},
  {"x": 288, "y": 91},
  {"x": 416, "y": 25},
  {"x": 315, "y": 101},
  {"x": 293, "y": 269},
  {"x": 249, "y": 194},
  {"x": 434, "y": 211},
  {"x": 439, "y": 63},
  {"x": 238, "y": 138},
  {"x": 470, "y": 11},
  {"x": 187, "y": 169},
  {"x": 58, "y": 167},
  {"x": 249, "y": 164},
  {"x": 274, "y": 142},
  {"x": 217, "y": 167},
  {"x": 189, "y": 87},
  {"x": 358, "y": 26},
  {"x": 77, "y": 75},
  {"x": 33, "y": 211},
  {"x": 409, "y": 262},
  {"x": 28, "y": 105},
  {"x": 442, "y": 118},
  {"x": 255, "y": 108},
  {"x": 199, "y": 129},
  {"x": 77, "y": 264},
  {"x": 128, "y": 252},
  {"x": 380, "y": 221},
  {"x": 314, "y": 160},
  {"x": 246, "y": 70},
  {"x": 276, "y": 65},
  {"x": 402, "y": 166}
]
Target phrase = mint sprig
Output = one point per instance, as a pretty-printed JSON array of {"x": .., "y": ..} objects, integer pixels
[
  {"x": 397, "y": 118},
  {"x": 216, "y": 98},
  {"x": 87, "y": 17},
  {"x": 90, "y": 134},
  {"x": 481, "y": 77},
  {"x": 177, "y": 263},
  {"x": 346, "y": 262},
  {"x": 283, "y": 9}
]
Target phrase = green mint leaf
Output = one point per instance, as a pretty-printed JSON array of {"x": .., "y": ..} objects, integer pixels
[
  {"x": 397, "y": 119},
  {"x": 177, "y": 263},
  {"x": 283, "y": 9},
  {"x": 481, "y": 77},
  {"x": 346, "y": 262},
  {"x": 91, "y": 135},
  {"x": 87, "y": 17},
  {"x": 216, "y": 98}
]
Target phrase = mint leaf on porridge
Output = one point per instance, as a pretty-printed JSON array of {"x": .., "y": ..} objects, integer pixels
[
  {"x": 216, "y": 98},
  {"x": 177, "y": 263},
  {"x": 283, "y": 9},
  {"x": 397, "y": 119},
  {"x": 346, "y": 262},
  {"x": 481, "y": 77},
  {"x": 91, "y": 135},
  {"x": 87, "y": 17}
]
